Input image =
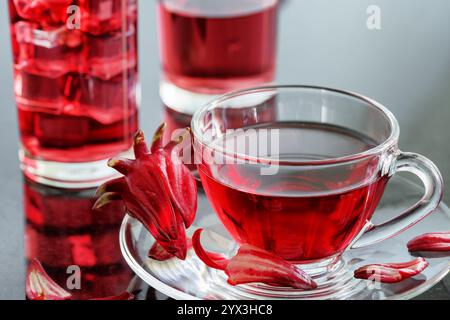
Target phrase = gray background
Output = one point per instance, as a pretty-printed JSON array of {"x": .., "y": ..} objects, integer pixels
[{"x": 406, "y": 66}]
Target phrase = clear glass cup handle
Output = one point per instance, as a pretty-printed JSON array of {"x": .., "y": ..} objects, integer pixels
[{"x": 432, "y": 180}]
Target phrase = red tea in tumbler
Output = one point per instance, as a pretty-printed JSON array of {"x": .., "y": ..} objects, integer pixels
[
  {"x": 75, "y": 82},
  {"x": 215, "y": 46}
]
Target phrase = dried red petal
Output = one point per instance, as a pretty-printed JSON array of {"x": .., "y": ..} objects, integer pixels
[
  {"x": 392, "y": 272},
  {"x": 39, "y": 285},
  {"x": 157, "y": 142},
  {"x": 157, "y": 190},
  {"x": 210, "y": 259},
  {"x": 182, "y": 185},
  {"x": 147, "y": 199},
  {"x": 157, "y": 252},
  {"x": 438, "y": 242},
  {"x": 140, "y": 146},
  {"x": 254, "y": 265},
  {"x": 123, "y": 296}
]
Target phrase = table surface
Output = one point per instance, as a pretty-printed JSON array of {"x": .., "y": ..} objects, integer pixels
[{"x": 405, "y": 65}]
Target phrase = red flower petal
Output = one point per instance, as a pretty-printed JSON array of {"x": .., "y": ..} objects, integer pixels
[
  {"x": 393, "y": 272},
  {"x": 181, "y": 183},
  {"x": 39, "y": 285},
  {"x": 157, "y": 190},
  {"x": 157, "y": 142},
  {"x": 252, "y": 265},
  {"x": 439, "y": 242},
  {"x": 211, "y": 260},
  {"x": 147, "y": 199},
  {"x": 157, "y": 252},
  {"x": 123, "y": 296}
]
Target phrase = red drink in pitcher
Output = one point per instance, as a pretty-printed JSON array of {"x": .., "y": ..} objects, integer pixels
[
  {"x": 215, "y": 46},
  {"x": 75, "y": 86}
]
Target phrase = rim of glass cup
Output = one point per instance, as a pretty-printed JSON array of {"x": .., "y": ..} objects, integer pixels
[{"x": 385, "y": 145}]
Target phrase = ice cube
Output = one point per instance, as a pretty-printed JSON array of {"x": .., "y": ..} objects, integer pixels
[
  {"x": 45, "y": 12},
  {"x": 61, "y": 131},
  {"x": 49, "y": 50},
  {"x": 109, "y": 55},
  {"x": 35, "y": 89},
  {"x": 103, "y": 16},
  {"x": 120, "y": 130},
  {"x": 109, "y": 101}
]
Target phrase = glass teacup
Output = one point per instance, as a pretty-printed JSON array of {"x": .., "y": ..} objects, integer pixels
[{"x": 300, "y": 170}]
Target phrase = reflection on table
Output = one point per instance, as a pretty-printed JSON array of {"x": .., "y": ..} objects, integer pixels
[{"x": 62, "y": 231}]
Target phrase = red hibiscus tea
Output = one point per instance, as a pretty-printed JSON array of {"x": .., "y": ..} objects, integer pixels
[
  {"x": 301, "y": 214},
  {"x": 75, "y": 85},
  {"x": 304, "y": 181},
  {"x": 215, "y": 45}
]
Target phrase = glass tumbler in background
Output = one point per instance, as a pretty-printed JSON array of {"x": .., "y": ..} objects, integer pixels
[
  {"x": 216, "y": 46},
  {"x": 208, "y": 48},
  {"x": 76, "y": 86}
]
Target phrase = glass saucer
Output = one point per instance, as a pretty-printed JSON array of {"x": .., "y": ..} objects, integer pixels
[{"x": 192, "y": 279}]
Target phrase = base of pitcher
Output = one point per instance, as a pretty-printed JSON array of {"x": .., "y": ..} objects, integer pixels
[{"x": 66, "y": 175}]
